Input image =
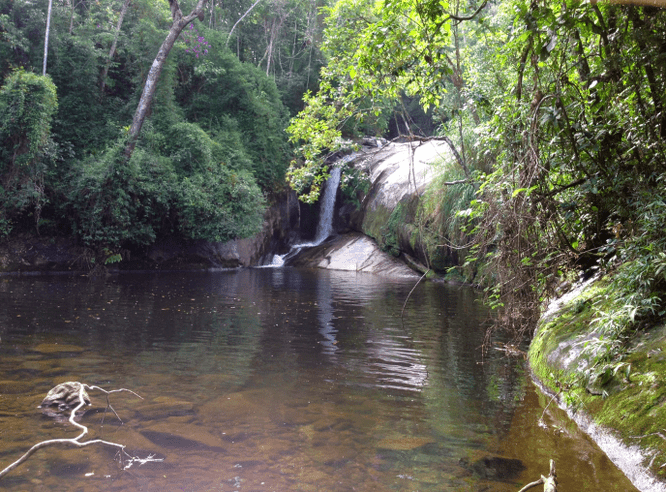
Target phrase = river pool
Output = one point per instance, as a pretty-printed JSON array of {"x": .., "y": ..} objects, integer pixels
[{"x": 276, "y": 379}]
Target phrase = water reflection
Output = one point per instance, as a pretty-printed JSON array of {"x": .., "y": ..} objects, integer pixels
[
  {"x": 275, "y": 379},
  {"x": 396, "y": 367},
  {"x": 325, "y": 317}
]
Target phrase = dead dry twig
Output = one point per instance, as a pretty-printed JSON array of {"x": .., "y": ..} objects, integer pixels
[
  {"x": 125, "y": 458},
  {"x": 549, "y": 482}
]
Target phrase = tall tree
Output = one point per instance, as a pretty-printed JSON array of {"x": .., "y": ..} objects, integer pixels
[
  {"x": 180, "y": 22},
  {"x": 46, "y": 36},
  {"x": 112, "y": 51}
]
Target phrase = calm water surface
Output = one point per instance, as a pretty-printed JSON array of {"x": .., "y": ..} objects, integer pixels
[{"x": 276, "y": 380}]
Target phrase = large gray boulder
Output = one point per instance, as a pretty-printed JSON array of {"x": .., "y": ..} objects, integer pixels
[
  {"x": 353, "y": 252},
  {"x": 383, "y": 228},
  {"x": 399, "y": 174}
]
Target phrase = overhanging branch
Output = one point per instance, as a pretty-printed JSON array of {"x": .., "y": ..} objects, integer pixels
[
  {"x": 456, "y": 154},
  {"x": 461, "y": 18},
  {"x": 469, "y": 17}
]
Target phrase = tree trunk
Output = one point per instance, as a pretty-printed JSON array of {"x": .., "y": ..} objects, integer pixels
[
  {"x": 46, "y": 37},
  {"x": 269, "y": 48},
  {"x": 71, "y": 18},
  {"x": 112, "y": 52},
  {"x": 655, "y": 90},
  {"x": 241, "y": 18},
  {"x": 179, "y": 23}
]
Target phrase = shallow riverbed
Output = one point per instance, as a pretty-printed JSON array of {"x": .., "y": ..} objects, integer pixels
[{"x": 276, "y": 380}]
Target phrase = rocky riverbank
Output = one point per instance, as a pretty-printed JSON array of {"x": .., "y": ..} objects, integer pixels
[
  {"x": 30, "y": 254},
  {"x": 621, "y": 404}
]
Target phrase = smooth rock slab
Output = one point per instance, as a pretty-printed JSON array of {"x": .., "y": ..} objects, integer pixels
[
  {"x": 164, "y": 407},
  {"x": 242, "y": 406},
  {"x": 397, "y": 171},
  {"x": 184, "y": 437},
  {"x": 353, "y": 252}
]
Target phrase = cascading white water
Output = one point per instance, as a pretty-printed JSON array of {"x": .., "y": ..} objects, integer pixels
[{"x": 325, "y": 225}]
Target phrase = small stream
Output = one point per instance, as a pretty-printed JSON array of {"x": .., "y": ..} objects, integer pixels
[{"x": 276, "y": 379}]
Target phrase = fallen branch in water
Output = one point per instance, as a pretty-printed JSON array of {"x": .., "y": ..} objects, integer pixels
[
  {"x": 402, "y": 313},
  {"x": 62, "y": 398},
  {"x": 540, "y": 421},
  {"x": 549, "y": 482}
]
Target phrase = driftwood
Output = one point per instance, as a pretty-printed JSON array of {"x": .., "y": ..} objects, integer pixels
[
  {"x": 73, "y": 396},
  {"x": 402, "y": 313},
  {"x": 549, "y": 482}
]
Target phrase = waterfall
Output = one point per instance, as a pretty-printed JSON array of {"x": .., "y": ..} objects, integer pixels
[{"x": 325, "y": 225}]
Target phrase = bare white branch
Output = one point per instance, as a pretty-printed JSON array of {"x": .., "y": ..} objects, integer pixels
[{"x": 76, "y": 441}]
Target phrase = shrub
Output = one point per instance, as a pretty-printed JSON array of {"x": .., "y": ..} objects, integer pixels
[
  {"x": 27, "y": 105},
  {"x": 220, "y": 89},
  {"x": 219, "y": 205},
  {"x": 115, "y": 203}
]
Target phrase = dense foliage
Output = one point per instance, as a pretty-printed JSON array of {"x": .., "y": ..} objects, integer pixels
[
  {"x": 27, "y": 105},
  {"x": 579, "y": 151},
  {"x": 554, "y": 112},
  {"x": 212, "y": 149}
]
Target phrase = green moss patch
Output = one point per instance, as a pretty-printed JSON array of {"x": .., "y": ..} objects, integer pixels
[
  {"x": 628, "y": 396},
  {"x": 556, "y": 351},
  {"x": 638, "y": 410}
]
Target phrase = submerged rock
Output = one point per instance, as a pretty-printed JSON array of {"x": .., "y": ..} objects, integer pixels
[
  {"x": 403, "y": 443},
  {"x": 65, "y": 396},
  {"x": 184, "y": 437},
  {"x": 8, "y": 387},
  {"x": 497, "y": 468},
  {"x": 164, "y": 407},
  {"x": 56, "y": 348}
]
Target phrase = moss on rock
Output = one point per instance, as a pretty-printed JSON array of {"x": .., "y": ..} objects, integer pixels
[{"x": 625, "y": 395}]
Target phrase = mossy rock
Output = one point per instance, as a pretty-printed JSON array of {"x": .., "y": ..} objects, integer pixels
[
  {"x": 557, "y": 353},
  {"x": 626, "y": 396}
]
